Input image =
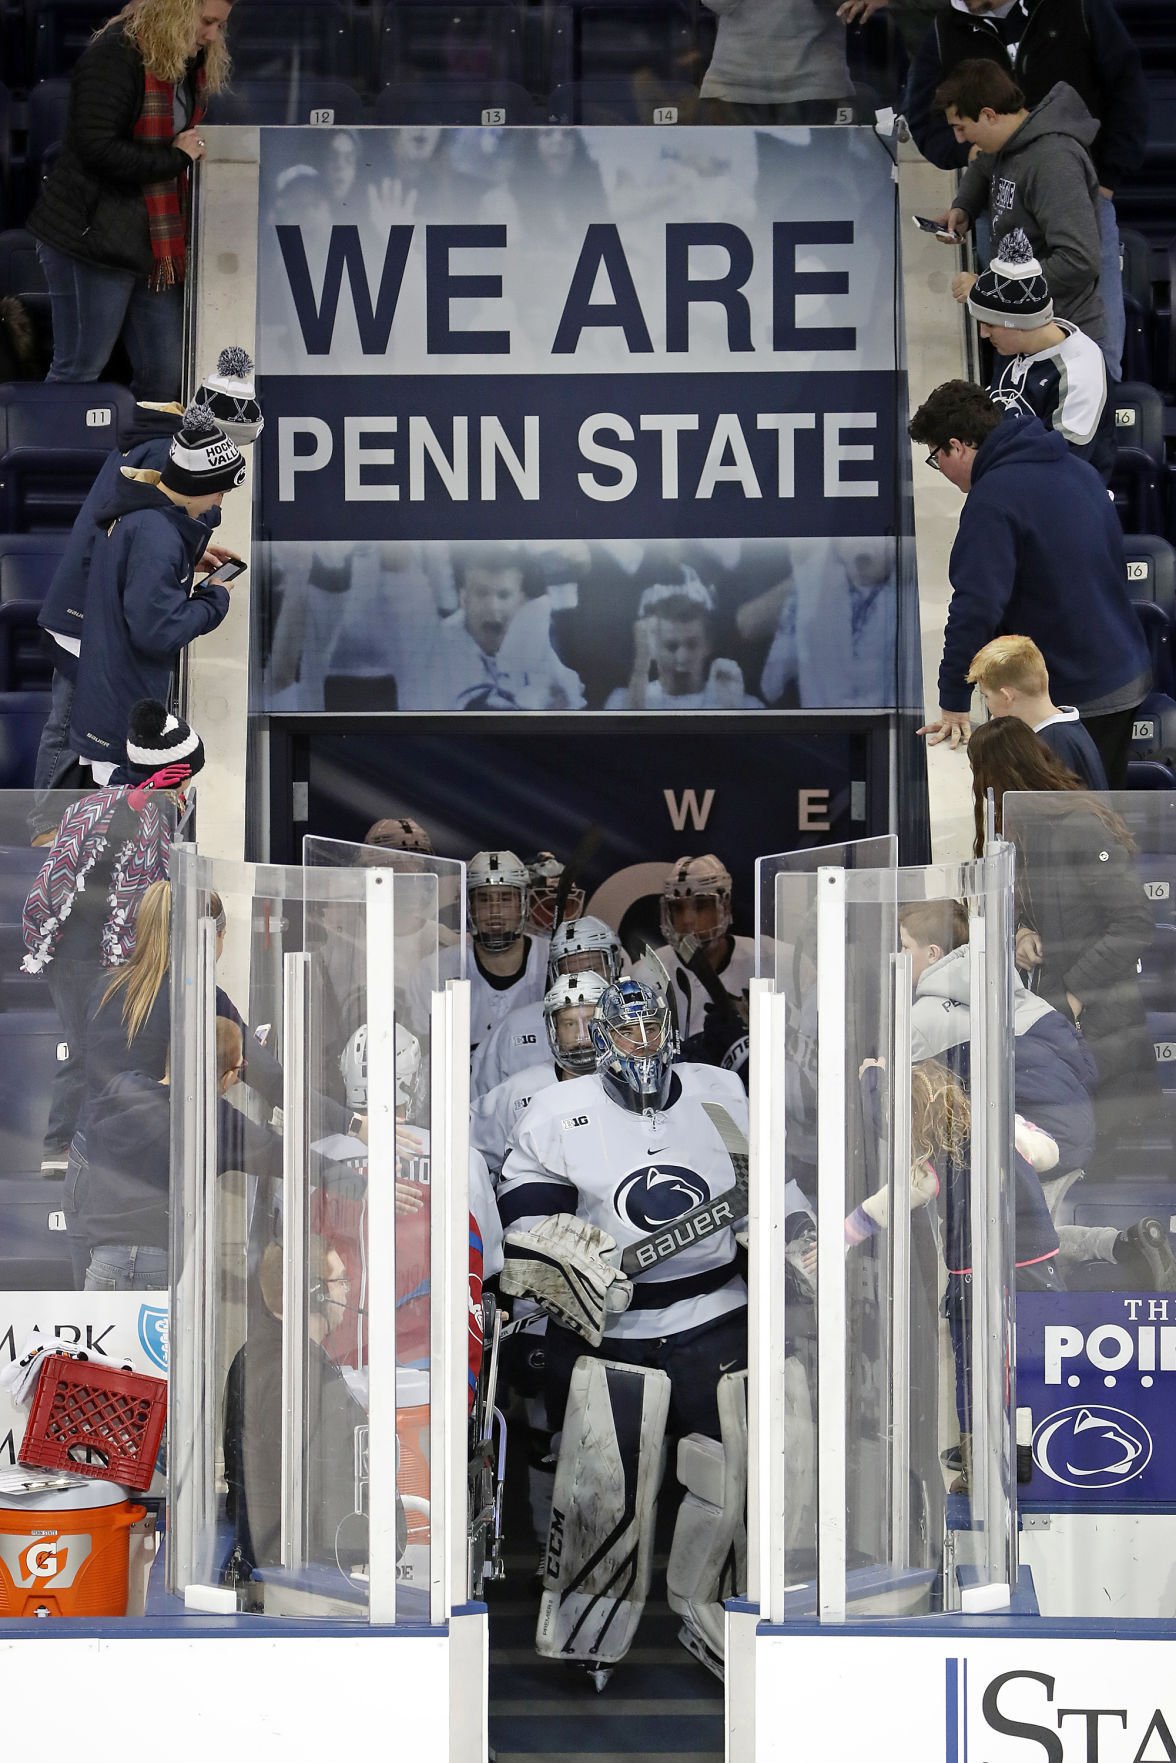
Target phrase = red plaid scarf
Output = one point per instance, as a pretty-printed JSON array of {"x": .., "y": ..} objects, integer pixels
[{"x": 166, "y": 203}]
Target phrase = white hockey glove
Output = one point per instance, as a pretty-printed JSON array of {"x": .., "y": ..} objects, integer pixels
[{"x": 561, "y": 1264}]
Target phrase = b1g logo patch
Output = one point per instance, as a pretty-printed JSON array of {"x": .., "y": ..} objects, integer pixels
[{"x": 657, "y": 1194}]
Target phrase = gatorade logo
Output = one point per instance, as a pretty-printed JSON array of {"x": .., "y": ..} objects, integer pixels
[{"x": 47, "y": 1560}]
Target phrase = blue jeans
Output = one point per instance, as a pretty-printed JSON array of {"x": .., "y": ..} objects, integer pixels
[
  {"x": 1110, "y": 287},
  {"x": 127, "y": 1267},
  {"x": 93, "y": 307}
]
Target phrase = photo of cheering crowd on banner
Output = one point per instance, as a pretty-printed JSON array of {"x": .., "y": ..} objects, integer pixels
[{"x": 475, "y": 343}]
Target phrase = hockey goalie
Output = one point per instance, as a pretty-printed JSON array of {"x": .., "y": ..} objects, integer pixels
[{"x": 619, "y": 1194}]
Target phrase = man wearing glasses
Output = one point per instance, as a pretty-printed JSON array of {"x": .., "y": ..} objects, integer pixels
[{"x": 1039, "y": 553}]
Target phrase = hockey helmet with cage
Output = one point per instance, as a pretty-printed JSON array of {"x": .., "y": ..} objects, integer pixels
[
  {"x": 636, "y": 1043},
  {"x": 567, "y": 992},
  {"x": 698, "y": 880},
  {"x": 546, "y": 873},
  {"x": 491, "y": 878},
  {"x": 585, "y": 945},
  {"x": 353, "y": 1064}
]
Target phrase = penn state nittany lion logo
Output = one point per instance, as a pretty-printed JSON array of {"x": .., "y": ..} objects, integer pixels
[{"x": 657, "y": 1194}]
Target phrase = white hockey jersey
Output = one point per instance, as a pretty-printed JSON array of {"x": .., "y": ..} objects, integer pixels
[
  {"x": 691, "y": 996},
  {"x": 519, "y": 1042},
  {"x": 491, "y": 998},
  {"x": 494, "y": 1116},
  {"x": 576, "y": 1150}
]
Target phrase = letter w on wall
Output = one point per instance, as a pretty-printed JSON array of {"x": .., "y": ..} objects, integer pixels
[{"x": 689, "y": 806}]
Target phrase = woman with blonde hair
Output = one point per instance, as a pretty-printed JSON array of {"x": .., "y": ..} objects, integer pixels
[{"x": 111, "y": 219}]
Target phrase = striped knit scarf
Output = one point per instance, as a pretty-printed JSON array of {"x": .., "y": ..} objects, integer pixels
[
  {"x": 81, "y": 840},
  {"x": 166, "y": 203}
]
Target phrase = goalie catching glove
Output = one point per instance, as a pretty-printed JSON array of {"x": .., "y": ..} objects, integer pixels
[{"x": 561, "y": 1263}]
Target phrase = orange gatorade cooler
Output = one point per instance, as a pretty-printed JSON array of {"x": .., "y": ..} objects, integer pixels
[
  {"x": 412, "y": 1438},
  {"x": 65, "y": 1552}
]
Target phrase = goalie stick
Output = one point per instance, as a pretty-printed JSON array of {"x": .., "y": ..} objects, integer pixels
[{"x": 720, "y": 1213}]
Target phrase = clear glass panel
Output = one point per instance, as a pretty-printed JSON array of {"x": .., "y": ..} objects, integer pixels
[
  {"x": 1096, "y": 950},
  {"x": 894, "y": 1188}
]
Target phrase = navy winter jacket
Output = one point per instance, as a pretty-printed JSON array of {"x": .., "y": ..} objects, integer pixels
[
  {"x": 141, "y": 611},
  {"x": 1039, "y": 553}
]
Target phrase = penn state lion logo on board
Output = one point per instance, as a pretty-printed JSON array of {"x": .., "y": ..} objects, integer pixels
[{"x": 657, "y": 1194}]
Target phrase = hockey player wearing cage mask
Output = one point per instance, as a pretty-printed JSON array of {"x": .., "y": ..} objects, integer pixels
[
  {"x": 584, "y": 945},
  {"x": 507, "y": 967},
  {"x": 696, "y": 923},
  {"x": 621, "y": 1157}
]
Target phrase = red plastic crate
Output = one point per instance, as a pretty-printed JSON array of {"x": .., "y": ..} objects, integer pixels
[{"x": 117, "y": 1416}]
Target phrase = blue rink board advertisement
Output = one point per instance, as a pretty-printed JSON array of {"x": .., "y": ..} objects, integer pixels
[
  {"x": 1098, "y": 1372},
  {"x": 594, "y": 419}
]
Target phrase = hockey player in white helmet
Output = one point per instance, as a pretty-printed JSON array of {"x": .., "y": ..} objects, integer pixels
[
  {"x": 399, "y": 835},
  {"x": 696, "y": 923},
  {"x": 506, "y": 967},
  {"x": 546, "y": 873},
  {"x": 568, "y": 1051},
  {"x": 605, "y": 1162},
  {"x": 585, "y": 945}
]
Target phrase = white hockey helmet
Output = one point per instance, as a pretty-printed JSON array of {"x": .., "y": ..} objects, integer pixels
[
  {"x": 567, "y": 1012},
  {"x": 705, "y": 882},
  {"x": 546, "y": 872},
  {"x": 496, "y": 919},
  {"x": 353, "y": 1064},
  {"x": 586, "y": 945},
  {"x": 635, "y": 1040}
]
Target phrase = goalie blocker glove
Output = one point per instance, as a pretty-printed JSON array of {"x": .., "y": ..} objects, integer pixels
[{"x": 562, "y": 1264}]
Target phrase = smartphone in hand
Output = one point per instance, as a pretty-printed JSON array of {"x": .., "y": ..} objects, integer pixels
[
  {"x": 224, "y": 574},
  {"x": 932, "y": 226}
]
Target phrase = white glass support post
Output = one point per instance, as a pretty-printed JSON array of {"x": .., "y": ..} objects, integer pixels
[
  {"x": 448, "y": 1317},
  {"x": 767, "y": 1492},
  {"x": 899, "y": 1443},
  {"x": 831, "y": 1208},
  {"x": 295, "y": 1037},
  {"x": 193, "y": 1150},
  {"x": 381, "y": 1224}
]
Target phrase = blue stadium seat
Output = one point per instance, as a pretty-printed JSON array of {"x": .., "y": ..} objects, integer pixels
[
  {"x": 1137, "y": 485},
  {"x": 1157, "y": 872},
  {"x": 1157, "y": 969},
  {"x": 63, "y": 30},
  {"x": 464, "y": 103},
  {"x": 48, "y": 108},
  {"x": 27, "y": 564},
  {"x": 22, "y": 717},
  {"x": 25, "y": 664},
  {"x": 273, "y": 42},
  {"x": 34, "y": 1249},
  {"x": 288, "y": 102},
  {"x": 1120, "y": 1202},
  {"x": 1153, "y": 733},
  {"x": 1139, "y": 418},
  {"x": 1149, "y": 774},
  {"x": 622, "y": 101},
  {"x": 20, "y": 267},
  {"x": 472, "y": 42},
  {"x": 1137, "y": 349},
  {"x": 1151, "y": 571},
  {"x": 88, "y": 418},
  {"x": 1135, "y": 262},
  {"x": 627, "y": 39},
  {"x": 28, "y": 1062},
  {"x": 1158, "y": 635},
  {"x": 42, "y": 488},
  {"x": 1161, "y": 1028}
]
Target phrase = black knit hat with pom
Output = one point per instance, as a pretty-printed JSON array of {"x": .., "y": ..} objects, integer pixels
[
  {"x": 201, "y": 459},
  {"x": 162, "y": 750},
  {"x": 229, "y": 397},
  {"x": 1012, "y": 293}
]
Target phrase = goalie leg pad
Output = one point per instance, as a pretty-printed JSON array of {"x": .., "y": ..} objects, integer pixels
[
  {"x": 708, "y": 1556},
  {"x": 600, "y": 1543}
]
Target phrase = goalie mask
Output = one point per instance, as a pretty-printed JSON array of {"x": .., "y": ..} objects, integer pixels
[
  {"x": 353, "y": 1065},
  {"x": 497, "y": 885},
  {"x": 635, "y": 1042},
  {"x": 567, "y": 1012},
  {"x": 587, "y": 945},
  {"x": 696, "y": 904},
  {"x": 545, "y": 873}
]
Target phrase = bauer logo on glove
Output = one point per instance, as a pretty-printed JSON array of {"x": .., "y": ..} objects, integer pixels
[{"x": 562, "y": 1264}]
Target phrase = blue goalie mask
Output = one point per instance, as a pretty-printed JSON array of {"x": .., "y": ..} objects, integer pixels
[{"x": 633, "y": 1034}]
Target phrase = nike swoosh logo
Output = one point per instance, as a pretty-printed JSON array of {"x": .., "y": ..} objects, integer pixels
[
  {"x": 731, "y": 1363},
  {"x": 654, "y": 1150}
]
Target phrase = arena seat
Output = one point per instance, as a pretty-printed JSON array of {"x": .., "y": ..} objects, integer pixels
[
  {"x": 24, "y": 664},
  {"x": 63, "y": 28},
  {"x": 86, "y": 418},
  {"x": 29, "y": 1042},
  {"x": 22, "y": 717},
  {"x": 34, "y": 1248},
  {"x": 1157, "y": 633},
  {"x": 20, "y": 267},
  {"x": 276, "y": 42},
  {"x": 464, "y": 41},
  {"x": 288, "y": 102},
  {"x": 48, "y": 108},
  {"x": 1149, "y": 774},
  {"x": 27, "y": 564},
  {"x": 42, "y": 488},
  {"x": 1139, "y": 418},
  {"x": 1151, "y": 571},
  {"x": 1157, "y": 872},
  {"x": 1137, "y": 485},
  {"x": 466, "y": 103},
  {"x": 1120, "y": 1202},
  {"x": 618, "y": 101},
  {"x": 1157, "y": 968}
]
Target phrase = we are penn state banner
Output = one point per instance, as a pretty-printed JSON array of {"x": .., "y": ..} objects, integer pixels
[{"x": 652, "y": 364}]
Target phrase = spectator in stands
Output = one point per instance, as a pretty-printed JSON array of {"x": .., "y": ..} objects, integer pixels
[
  {"x": 1012, "y": 678},
  {"x": 1082, "y": 42},
  {"x": 1043, "y": 364},
  {"x": 674, "y": 661},
  {"x": 142, "y": 610},
  {"x": 1039, "y": 550},
  {"x": 1083, "y": 919},
  {"x": 835, "y": 640},
  {"x": 110, "y": 221},
  {"x": 775, "y": 62},
  {"x": 1033, "y": 171},
  {"x": 81, "y": 913},
  {"x": 228, "y": 395}
]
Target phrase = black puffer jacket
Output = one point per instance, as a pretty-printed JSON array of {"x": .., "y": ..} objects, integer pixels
[{"x": 91, "y": 205}]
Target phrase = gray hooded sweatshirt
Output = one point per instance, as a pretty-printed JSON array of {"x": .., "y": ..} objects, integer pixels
[{"x": 1043, "y": 180}]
